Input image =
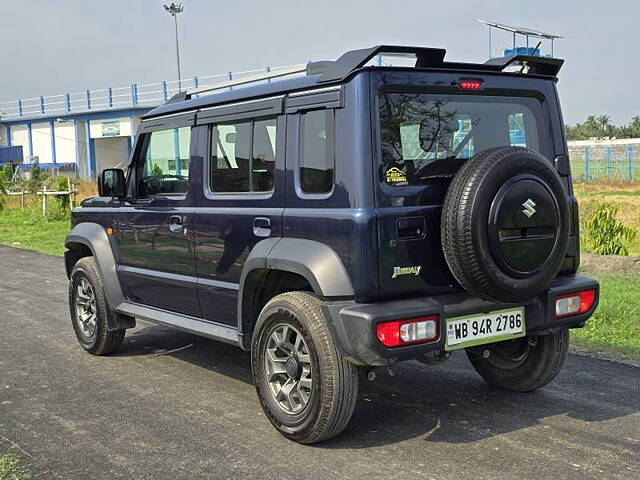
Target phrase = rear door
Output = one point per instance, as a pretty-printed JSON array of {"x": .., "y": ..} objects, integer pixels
[
  {"x": 424, "y": 138},
  {"x": 155, "y": 234},
  {"x": 241, "y": 199}
]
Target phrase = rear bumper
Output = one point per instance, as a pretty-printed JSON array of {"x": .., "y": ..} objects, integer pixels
[{"x": 354, "y": 324}]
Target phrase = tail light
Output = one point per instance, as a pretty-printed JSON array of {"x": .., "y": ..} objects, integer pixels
[
  {"x": 408, "y": 332},
  {"x": 575, "y": 303}
]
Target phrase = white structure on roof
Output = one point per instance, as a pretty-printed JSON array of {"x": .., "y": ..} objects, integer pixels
[{"x": 518, "y": 34}]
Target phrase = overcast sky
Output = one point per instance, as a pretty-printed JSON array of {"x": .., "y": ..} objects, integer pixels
[{"x": 50, "y": 47}]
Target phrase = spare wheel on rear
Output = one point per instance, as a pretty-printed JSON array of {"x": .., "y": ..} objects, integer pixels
[{"x": 505, "y": 224}]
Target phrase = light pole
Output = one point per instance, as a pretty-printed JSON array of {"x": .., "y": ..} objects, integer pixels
[{"x": 174, "y": 9}]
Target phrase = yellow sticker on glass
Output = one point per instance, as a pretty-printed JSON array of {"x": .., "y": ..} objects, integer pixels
[{"x": 395, "y": 175}]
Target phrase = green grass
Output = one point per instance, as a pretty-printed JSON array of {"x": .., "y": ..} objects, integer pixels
[
  {"x": 612, "y": 193},
  {"x": 11, "y": 468},
  {"x": 616, "y": 324},
  {"x": 28, "y": 229}
]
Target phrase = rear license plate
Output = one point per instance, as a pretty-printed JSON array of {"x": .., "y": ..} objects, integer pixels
[{"x": 476, "y": 329}]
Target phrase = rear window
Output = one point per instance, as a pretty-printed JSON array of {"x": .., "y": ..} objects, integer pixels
[{"x": 425, "y": 136}]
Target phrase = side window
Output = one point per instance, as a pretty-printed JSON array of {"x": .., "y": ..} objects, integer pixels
[
  {"x": 229, "y": 166},
  {"x": 316, "y": 157},
  {"x": 264, "y": 155},
  {"x": 243, "y": 156},
  {"x": 163, "y": 165}
]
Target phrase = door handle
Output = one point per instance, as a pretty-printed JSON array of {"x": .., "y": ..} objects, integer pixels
[
  {"x": 262, "y": 226},
  {"x": 175, "y": 223},
  {"x": 411, "y": 228}
]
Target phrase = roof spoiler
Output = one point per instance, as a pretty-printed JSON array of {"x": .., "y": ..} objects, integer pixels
[
  {"x": 528, "y": 64},
  {"x": 354, "y": 59},
  {"x": 430, "y": 58}
]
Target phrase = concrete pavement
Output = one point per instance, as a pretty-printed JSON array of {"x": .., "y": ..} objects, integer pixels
[{"x": 149, "y": 412}]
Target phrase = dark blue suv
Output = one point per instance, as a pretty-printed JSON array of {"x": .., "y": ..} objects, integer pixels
[{"x": 345, "y": 219}]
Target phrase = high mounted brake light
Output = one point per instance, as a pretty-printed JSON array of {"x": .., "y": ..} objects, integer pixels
[
  {"x": 574, "y": 303},
  {"x": 470, "y": 84},
  {"x": 398, "y": 333}
]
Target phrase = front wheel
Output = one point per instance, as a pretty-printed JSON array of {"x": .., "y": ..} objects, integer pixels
[
  {"x": 306, "y": 387},
  {"x": 89, "y": 309},
  {"x": 523, "y": 364}
]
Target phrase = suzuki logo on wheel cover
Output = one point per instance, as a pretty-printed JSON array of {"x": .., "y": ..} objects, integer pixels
[{"x": 529, "y": 211}]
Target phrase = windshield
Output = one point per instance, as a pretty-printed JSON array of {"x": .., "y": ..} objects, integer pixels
[{"x": 425, "y": 136}]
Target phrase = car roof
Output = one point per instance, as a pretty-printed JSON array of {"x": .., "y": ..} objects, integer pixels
[{"x": 327, "y": 73}]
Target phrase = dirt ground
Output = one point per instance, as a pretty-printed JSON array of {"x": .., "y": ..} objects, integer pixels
[{"x": 609, "y": 264}]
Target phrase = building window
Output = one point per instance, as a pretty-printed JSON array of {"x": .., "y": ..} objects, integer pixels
[
  {"x": 243, "y": 156},
  {"x": 316, "y": 160}
]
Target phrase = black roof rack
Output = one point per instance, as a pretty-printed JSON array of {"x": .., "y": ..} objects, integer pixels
[{"x": 428, "y": 58}]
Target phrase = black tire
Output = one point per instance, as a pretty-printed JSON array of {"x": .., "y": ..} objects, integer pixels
[
  {"x": 334, "y": 387},
  {"x": 523, "y": 364},
  {"x": 496, "y": 250},
  {"x": 99, "y": 340}
]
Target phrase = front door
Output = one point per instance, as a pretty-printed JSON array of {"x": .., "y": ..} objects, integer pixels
[{"x": 155, "y": 229}]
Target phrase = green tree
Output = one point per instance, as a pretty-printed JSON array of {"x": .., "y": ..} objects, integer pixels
[
  {"x": 6, "y": 174},
  {"x": 606, "y": 233},
  {"x": 37, "y": 179},
  {"x": 601, "y": 126},
  {"x": 634, "y": 127},
  {"x": 61, "y": 184}
]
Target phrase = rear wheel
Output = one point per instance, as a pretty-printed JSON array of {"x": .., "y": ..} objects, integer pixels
[
  {"x": 307, "y": 389},
  {"x": 522, "y": 364},
  {"x": 89, "y": 310}
]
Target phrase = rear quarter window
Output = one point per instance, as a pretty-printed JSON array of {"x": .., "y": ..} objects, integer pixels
[{"x": 316, "y": 157}]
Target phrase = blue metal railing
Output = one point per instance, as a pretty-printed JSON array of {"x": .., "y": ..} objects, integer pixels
[
  {"x": 609, "y": 162},
  {"x": 111, "y": 97}
]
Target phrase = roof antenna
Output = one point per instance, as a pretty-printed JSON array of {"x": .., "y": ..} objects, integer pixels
[
  {"x": 536, "y": 47},
  {"x": 524, "y": 64}
]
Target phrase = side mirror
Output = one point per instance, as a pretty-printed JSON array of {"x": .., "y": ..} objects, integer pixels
[{"x": 111, "y": 183}]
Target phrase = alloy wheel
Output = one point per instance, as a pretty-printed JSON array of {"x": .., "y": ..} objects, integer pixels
[
  {"x": 288, "y": 369},
  {"x": 86, "y": 313}
]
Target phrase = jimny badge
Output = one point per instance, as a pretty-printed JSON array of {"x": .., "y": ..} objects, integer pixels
[{"x": 414, "y": 270}]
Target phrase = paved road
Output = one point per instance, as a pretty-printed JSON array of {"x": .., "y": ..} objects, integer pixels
[{"x": 194, "y": 414}]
